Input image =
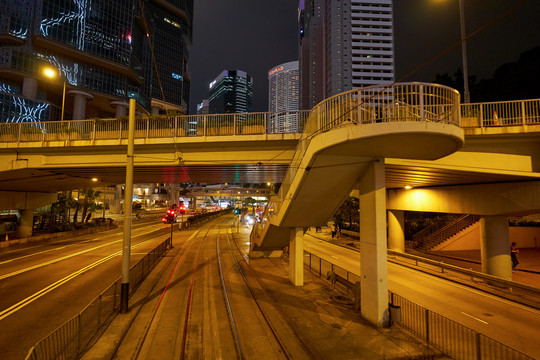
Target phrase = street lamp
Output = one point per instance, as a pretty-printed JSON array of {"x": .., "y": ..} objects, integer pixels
[
  {"x": 52, "y": 73},
  {"x": 466, "y": 93}
]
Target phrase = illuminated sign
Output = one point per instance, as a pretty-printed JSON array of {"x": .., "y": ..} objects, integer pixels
[
  {"x": 176, "y": 76},
  {"x": 172, "y": 22},
  {"x": 212, "y": 83},
  {"x": 275, "y": 70}
]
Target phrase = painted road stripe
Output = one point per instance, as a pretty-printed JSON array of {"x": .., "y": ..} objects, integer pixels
[
  {"x": 37, "y": 266},
  {"x": 475, "y": 318},
  {"x": 21, "y": 304}
]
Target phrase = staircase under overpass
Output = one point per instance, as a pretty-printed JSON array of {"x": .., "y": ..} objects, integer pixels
[{"x": 344, "y": 135}]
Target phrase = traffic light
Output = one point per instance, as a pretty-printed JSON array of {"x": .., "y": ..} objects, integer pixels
[
  {"x": 169, "y": 217},
  {"x": 237, "y": 211}
]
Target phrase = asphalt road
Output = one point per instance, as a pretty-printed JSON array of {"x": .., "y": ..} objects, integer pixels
[
  {"x": 43, "y": 286},
  {"x": 510, "y": 323}
]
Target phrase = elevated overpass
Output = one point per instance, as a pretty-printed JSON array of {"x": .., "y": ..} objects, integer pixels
[{"x": 374, "y": 141}]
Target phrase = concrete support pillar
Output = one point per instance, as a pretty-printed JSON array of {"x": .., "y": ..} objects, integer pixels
[
  {"x": 495, "y": 246},
  {"x": 121, "y": 108},
  {"x": 172, "y": 192},
  {"x": 29, "y": 88},
  {"x": 24, "y": 230},
  {"x": 373, "y": 268},
  {"x": 115, "y": 205},
  {"x": 296, "y": 256},
  {"x": 79, "y": 103},
  {"x": 396, "y": 230}
]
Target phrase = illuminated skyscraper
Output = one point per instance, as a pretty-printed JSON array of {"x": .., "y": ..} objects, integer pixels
[
  {"x": 283, "y": 96},
  {"x": 101, "y": 52},
  {"x": 344, "y": 44},
  {"x": 231, "y": 92}
]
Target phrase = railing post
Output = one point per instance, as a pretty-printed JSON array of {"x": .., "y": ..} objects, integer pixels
[
  {"x": 94, "y": 131},
  {"x": 20, "y": 129},
  {"x": 422, "y": 114},
  {"x": 147, "y": 128},
  {"x": 427, "y": 325},
  {"x": 523, "y": 112},
  {"x": 481, "y": 116},
  {"x": 120, "y": 129},
  {"x": 234, "y": 124},
  {"x": 478, "y": 347},
  {"x": 204, "y": 125},
  {"x": 43, "y": 131},
  {"x": 175, "y": 126}
]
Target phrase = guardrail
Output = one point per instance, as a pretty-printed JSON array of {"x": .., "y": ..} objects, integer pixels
[
  {"x": 152, "y": 127},
  {"x": 450, "y": 337},
  {"x": 514, "y": 291},
  {"x": 500, "y": 113},
  {"x": 70, "y": 339}
]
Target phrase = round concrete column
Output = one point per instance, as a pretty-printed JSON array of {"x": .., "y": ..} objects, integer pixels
[
  {"x": 121, "y": 108},
  {"x": 396, "y": 230},
  {"x": 495, "y": 246},
  {"x": 79, "y": 103},
  {"x": 24, "y": 230},
  {"x": 29, "y": 88}
]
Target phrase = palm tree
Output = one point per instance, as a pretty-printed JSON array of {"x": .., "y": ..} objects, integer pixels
[{"x": 90, "y": 196}]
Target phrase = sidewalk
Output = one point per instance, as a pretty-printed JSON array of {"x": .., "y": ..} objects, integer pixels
[{"x": 328, "y": 326}]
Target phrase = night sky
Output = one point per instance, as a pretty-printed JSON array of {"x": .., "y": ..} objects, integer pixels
[{"x": 256, "y": 35}]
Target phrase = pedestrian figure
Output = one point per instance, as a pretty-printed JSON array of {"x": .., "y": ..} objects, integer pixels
[
  {"x": 513, "y": 254},
  {"x": 338, "y": 231},
  {"x": 333, "y": 230}
]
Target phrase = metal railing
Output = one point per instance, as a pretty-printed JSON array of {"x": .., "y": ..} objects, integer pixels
[
  {"x": 445, "y": 232},
  {"x": 450, "y": 337},
  {"x": 500, "y": 113},
  {"x": 402, "y": 102},
  {"x": 152, "y": 127},
  {"x": 70, "y": 339}
]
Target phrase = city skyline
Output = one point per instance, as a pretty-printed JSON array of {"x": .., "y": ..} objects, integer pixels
[{"x": 423, "y": 29}]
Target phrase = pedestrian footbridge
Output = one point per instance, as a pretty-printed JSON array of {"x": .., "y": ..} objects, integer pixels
[{"x": 344, "y": 137}]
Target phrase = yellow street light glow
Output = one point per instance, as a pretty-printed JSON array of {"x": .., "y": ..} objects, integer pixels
[
  {"x": 268, "y": 183},
  {"x": 50, "y": 72},
  {"x": 408, "y": 187},
  {"x": 94, "y": 179}
]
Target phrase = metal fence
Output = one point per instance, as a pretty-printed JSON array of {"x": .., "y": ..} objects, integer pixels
[
  {"x": 450, "y": 337},
  {"x": 69, "y": 340},
  {"x": 152, "y": 127}
]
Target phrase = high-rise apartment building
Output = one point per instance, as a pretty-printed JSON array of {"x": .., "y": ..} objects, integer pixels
[
  {"x": 100, "y": 50},
  {"x": 283, "y": 97},
  {"x": 344, "y": 44},
  {"x": 231, "y": 92}
]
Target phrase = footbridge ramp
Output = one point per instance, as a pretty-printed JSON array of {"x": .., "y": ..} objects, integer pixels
[{"x": 343, "y": 136}]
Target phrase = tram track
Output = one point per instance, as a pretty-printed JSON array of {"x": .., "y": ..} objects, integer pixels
[{"x": 209, "y": 307}]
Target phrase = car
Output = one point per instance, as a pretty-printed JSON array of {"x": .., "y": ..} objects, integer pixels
[{"x": 249, "y": 219}]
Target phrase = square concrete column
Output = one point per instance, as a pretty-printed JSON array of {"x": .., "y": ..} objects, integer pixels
[
  {"x": 373, "y": 268},
  {"x": 296, "y": 256},
  {"x": 24, "y": 230},
  {"x": 396, "y": 230},
  {"x": 495, "y": 246}
]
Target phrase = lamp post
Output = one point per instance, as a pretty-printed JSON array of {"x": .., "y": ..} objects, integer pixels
[
  {"x": 51, "y": 73},
  {"x": 466, "y": 93}
]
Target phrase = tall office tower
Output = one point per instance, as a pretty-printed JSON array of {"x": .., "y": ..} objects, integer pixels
[
  {"x": 283, "y": 97},
  {"x": 203, "y": 108},
  {"x": 99, "y": 50},
  {"x": 231, "y": 92},
  {"x": 344, "y": 44}
]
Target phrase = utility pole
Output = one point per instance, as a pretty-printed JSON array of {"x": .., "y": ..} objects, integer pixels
[{"x": 128, "y": 199}]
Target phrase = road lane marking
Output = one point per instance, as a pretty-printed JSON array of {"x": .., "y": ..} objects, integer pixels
[
  {"x": 62, "y": 258},
  {"x": 25, "y": 256},
  {"x": 21, "y": 304},
  {"x": 475, "y": 318}
]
